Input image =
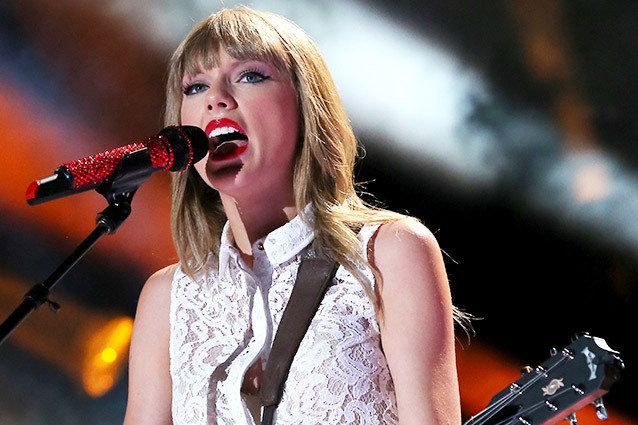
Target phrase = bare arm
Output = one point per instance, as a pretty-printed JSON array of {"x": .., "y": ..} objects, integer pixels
[
  {"x": 417, "y": 328},
  {"x": 149, "y": 393}
]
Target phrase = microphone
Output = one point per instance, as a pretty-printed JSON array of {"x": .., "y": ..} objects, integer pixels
[{"x": 173, "y": 149}]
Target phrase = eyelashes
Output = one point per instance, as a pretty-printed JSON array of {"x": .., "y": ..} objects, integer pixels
[
  {"x": 253, "y": 76},
  {"x": 249, "y": 76},
  {"x": 194, "y": 88}
]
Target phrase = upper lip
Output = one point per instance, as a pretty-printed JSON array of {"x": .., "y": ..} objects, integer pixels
[{"x": 219, "y": 123}]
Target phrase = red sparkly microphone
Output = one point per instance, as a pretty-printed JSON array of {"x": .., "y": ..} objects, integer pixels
[{"x": 173, "y": 149}]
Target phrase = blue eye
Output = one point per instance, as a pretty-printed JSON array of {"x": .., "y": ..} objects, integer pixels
[
  {"x": 252, "y": 77},
  {"x": 194, "y": 88}
]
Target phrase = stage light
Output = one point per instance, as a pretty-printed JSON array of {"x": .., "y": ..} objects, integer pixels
[{"x": 105, "y": 353}]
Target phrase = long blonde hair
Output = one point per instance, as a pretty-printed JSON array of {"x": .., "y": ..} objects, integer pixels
[{"x": 323, "y": 174}]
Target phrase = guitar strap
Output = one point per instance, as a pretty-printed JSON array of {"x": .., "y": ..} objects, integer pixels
[{"x": 313, "y": 278}]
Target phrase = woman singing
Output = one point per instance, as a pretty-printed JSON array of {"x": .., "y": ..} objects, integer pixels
[{"x": 277, "y": 184}]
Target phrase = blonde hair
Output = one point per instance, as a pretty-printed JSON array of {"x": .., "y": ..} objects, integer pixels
[{"x": 323, "y": 174}]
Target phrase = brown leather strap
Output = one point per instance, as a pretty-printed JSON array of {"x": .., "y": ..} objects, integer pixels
[{"x": 313, "y": 278}]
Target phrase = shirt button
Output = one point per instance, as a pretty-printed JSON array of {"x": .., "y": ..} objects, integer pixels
[{"x": 260, "y": 246}]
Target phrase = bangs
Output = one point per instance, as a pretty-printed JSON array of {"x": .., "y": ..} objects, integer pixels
[{"x": 244, "y": 34}]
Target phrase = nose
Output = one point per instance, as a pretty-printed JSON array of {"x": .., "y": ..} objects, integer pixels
[{"x": 219, "y": 98}]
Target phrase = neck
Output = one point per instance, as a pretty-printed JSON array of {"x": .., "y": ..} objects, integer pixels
[{"x": 250, "y": 221}]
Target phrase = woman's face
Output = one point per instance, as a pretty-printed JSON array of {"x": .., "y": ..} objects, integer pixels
[{"x": 249, "y": 111}]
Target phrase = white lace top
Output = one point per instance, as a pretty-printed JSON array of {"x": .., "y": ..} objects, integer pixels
[{"x": 225, "y": 319}]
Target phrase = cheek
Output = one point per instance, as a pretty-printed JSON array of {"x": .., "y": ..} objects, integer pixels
[
  {"x": 284, "y": 118},
  {"x": 187, "y": 114}
]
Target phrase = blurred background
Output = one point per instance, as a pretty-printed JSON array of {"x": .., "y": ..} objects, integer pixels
[{"x": 508, "y": 127}]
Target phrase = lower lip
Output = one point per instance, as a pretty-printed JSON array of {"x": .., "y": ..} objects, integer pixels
[{"x": 231, "y": 155}]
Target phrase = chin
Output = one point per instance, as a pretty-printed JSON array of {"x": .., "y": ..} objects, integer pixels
[{"x": 232, "y": 181}]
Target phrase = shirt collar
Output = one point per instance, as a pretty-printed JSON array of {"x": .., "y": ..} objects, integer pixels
[{"x": 280, "y": 245}]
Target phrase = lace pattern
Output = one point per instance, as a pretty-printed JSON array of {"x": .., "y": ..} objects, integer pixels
[{"x": 221, "y": 321}]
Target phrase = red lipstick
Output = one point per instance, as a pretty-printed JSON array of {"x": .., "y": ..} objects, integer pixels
[
  {"x": 223, "y": 122},
  {"x": 227, "y": 139}
]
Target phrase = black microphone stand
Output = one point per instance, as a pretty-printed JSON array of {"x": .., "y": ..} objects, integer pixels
[{"x": 134, "y": 169}]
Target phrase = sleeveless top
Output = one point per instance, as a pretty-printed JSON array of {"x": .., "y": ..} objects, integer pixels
[{"x": 226, "y": 318}]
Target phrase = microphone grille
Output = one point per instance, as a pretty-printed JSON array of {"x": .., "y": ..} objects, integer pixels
[{"x": 185, "y": 146}]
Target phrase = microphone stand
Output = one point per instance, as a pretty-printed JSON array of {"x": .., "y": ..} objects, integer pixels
[{"x": 134, "y": 169}]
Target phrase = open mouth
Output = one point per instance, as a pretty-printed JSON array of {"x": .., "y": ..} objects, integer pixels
[{"x": 227, "y": 142}]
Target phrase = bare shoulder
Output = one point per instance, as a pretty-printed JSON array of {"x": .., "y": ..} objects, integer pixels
[
  {"x": 161, "y": 279},
  {"x": 154, "y": 304},
  {"x": 157, "y": 288},
  {"x": 396, "y": 233},
  {"x": 411, "y": 271},
  {"x": 405, "y": 245}
]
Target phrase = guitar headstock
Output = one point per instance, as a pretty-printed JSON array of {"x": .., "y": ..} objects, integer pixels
[{"x": 579, "y": 374}]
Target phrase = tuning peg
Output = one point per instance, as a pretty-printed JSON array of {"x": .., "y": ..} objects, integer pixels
[
  {"x": 601, "y": 412},
  {"x": 553, "y": 351},
  {"x": 578, "y": 390},
  {"x": 572, "y": 419},
  {"x": 568, "y": 353},
  {"x": 579, "y": 334},
  {"x": 541, "y": 370},
  {"x": 619, "y": 363}
]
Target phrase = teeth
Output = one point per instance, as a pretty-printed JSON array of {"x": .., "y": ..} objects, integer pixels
[{"x": 222, "y": 130}]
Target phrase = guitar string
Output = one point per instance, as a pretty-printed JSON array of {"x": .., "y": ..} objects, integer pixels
[
  {"x": 531, "y": 408},
  {"x": 509, "y": 398},
  {"x": 542, "y": 403},
  {"x": 491, "y": 410}
]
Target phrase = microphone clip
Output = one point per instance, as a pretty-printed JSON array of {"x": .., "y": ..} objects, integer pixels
[{"x": 134, "y": 169}]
